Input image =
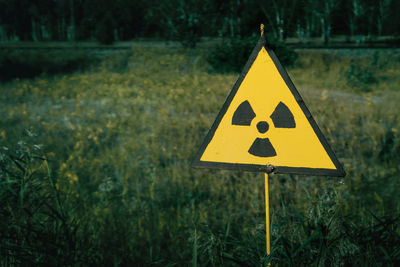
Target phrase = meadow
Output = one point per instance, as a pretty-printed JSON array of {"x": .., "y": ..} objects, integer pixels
[{"x": 95, "y": 166}]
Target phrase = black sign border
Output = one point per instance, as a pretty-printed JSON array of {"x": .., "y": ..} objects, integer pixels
[{"x": 197, "y": 163}]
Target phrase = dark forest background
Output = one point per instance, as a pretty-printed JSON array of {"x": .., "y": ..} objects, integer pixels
[
  {"x": 189, "y": 20},
  {"x": 96, "y": 141}
]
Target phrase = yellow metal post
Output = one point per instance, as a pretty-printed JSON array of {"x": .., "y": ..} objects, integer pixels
[
  {"x": 268, "y": 240},
  {"x": 262, "y": 29}
]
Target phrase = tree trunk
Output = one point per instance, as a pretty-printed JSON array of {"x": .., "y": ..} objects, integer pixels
[
  {"x": 351, "y": 26},
  {"x": 34, "y": 31},
  {"x": 326, "y": 21},
  {"x": 279, "y": 24},
  {"x": 71, "y": 28}
]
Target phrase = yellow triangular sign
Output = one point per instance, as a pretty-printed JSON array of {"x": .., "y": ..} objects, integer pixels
[{"x": 264, "y": 123}]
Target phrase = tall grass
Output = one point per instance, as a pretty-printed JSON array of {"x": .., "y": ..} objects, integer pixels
[{"x": 119, "y": 139}]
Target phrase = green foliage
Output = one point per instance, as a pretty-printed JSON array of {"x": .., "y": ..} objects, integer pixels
[
  {"x": 232, "y": 55},
  {"x": 120, "y": 138},
  {"x": 82, "y": 20},
  {"x": 330, "y": 238},
  {"x": 361, "y": 76},
  {"x": 38, "y": 225},
  {"x": 180, "y": 20}
]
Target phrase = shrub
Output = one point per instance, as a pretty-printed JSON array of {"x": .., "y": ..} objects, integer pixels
[
  {"x": 37, "y": 226},
  {"x": 231, "y": 56},
  {"x": 361, "y": 76}
]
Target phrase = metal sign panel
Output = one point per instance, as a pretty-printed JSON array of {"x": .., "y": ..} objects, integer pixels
[{"x": 265, "y": 123}]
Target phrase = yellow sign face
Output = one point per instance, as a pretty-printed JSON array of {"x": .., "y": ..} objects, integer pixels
[{"x": 264, "y": 124}]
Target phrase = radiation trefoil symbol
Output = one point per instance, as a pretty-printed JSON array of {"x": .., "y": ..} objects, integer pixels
[
  {"x": 264, "y": 124},
  {"x": 282, "y": 117}
]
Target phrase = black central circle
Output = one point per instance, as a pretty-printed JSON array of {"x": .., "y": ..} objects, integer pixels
[{"x": 262, "y": 126}]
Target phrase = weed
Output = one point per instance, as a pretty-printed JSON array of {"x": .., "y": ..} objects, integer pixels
[
  {"x": 38, "y": 225},
  {"x": 119, "y": 139},
  {"x": 361, "y": 77}
]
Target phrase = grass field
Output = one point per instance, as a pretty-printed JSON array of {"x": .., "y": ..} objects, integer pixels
[{"x": 95, "y": 166}]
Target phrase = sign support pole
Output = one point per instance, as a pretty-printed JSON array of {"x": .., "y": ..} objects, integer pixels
[{"x": 267, "y": 223}]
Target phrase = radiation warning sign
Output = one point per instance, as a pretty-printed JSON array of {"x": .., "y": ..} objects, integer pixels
[{"x": 264, "y": 124}]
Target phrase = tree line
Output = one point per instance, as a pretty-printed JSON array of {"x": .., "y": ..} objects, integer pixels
[{"x": 189, "y": 20}]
